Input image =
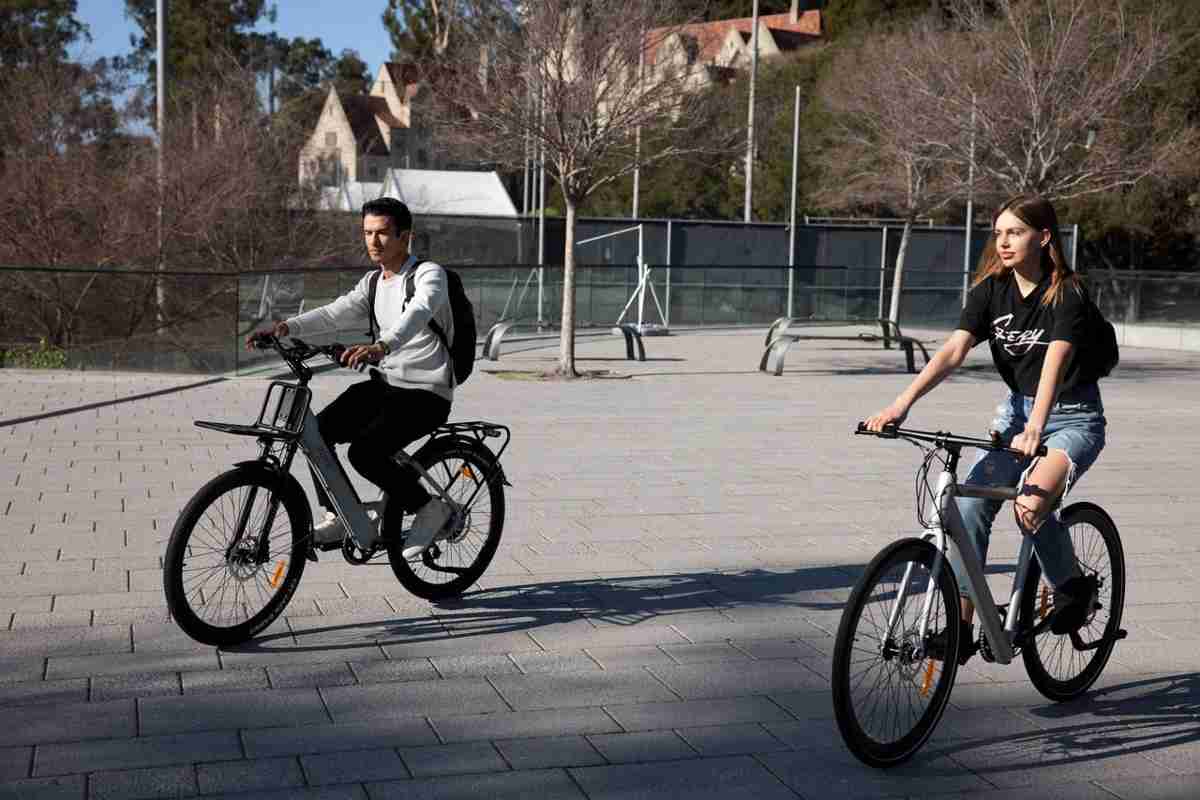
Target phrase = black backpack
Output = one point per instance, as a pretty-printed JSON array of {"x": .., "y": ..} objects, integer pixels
[
  {"x": 1100, "y": 354},
  {"x": 462, "y": 349}
]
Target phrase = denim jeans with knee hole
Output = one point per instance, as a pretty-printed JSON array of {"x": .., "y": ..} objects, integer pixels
[{"x": 1076, "y": 426}]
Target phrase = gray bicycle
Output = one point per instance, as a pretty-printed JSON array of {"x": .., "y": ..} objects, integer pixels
[
  {"x": 897, "y": 647},
  {"x": 238, "y": 550}
]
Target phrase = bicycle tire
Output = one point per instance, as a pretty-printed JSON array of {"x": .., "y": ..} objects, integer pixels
[
  {"x": 1098, "y": 550},
  {"x": 206, "y": 527},
  {"x": 461, "y": 465},
  {"x": 892, "y": 740}
]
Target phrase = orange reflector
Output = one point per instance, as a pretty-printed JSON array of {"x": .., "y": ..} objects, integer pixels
[
  {"x": 925, "y": 684},
  {"x": 1044, "y": 607},
  {"x": 468, "y": 472},
  {"x": 278, "y": 576}
]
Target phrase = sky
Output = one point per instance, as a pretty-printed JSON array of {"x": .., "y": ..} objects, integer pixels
[{"x": 341, "y": 25}]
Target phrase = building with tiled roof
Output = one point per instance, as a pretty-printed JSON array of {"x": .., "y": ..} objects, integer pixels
[
  {"x": 723, "y": 46},
  {"x": 358, "y": 138}
]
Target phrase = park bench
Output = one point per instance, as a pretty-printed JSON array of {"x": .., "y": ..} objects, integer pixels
[
  {"x": 496, "y": 335},
  {"x": 780, "y": 338}
]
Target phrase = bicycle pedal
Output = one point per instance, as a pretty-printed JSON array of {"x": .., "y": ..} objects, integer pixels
[
  {"x": 1120, "y": 633},
  {"x": 311, "y": 555}
]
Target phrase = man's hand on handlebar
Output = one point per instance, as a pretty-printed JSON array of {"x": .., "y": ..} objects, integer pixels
[
  {"x": 360, "y": 355},
  {"x": 892, "y": 415},
  {"x": 1029, "y": 441},
  {"x": 278, "y": 330}
]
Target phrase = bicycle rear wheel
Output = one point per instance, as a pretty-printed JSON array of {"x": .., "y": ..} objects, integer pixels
[
  {"x": 221, "y": 588},
  {"x": 1064, "y": 667},
  {"x": 888, "y": 694},
  {"x": 458, "y": 557}
]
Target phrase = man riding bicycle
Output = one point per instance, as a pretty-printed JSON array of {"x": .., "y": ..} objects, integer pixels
[{"x": 412, "y": 376}]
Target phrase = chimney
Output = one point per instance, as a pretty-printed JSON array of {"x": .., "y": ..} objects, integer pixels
[{"x": 795, "y": 11}]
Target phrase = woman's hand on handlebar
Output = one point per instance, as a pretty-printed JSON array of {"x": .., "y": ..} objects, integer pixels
[
  {"x": 892, "y": 415},
  {"x": 362, "y": 354},
  {"x": 1028, "y": 441},
  {"x": 278, "y": 330}
]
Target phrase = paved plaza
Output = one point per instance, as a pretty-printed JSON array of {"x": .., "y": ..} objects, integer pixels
[{"x": 658, "y": 623}]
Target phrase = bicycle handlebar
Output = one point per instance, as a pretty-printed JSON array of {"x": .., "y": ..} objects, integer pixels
[{"x": 941, "y": 439}]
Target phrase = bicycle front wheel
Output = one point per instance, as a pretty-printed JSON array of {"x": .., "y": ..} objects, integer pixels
[
  {"x": 234, "y": 558},
  {"x": 888, "y": 693},
  {"x": 469, "y": 475},
  {"x": 1064, "y": 667}
]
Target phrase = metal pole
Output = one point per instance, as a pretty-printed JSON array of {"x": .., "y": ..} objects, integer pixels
[
  {"x": 541, "y": 295},
  {"x": 882, "y": 267},
  {"x": 792, "y": 214},
  {"x": 750, "y": 116},
  {"x": 970, "y": 209},
  {"x": 642, "y": 276},
  {"x": 160, "y": 11},
  {"x": 667, "y": 316},
  {"x": 637, "y": 134}
]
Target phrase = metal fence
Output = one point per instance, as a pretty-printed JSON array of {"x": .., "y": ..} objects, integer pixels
[{"x": 701, "y": 274}]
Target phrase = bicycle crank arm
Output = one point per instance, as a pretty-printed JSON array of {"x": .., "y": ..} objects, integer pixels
[{"x": 1078, "y": 644}]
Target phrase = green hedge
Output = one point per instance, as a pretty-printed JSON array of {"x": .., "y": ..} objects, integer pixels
[{"x": 44, "y": 356}]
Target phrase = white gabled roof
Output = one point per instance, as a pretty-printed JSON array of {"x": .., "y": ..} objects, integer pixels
[{"x": 434, "y": 191}]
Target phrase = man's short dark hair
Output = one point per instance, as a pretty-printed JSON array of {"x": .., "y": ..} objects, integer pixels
[{"x": 389, "y": 207}]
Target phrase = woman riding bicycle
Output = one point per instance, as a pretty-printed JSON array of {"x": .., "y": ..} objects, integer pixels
[{"x": 1030, "y": 306}]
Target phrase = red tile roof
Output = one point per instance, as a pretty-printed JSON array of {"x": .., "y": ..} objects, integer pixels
[{"x": 711, "y": 35}]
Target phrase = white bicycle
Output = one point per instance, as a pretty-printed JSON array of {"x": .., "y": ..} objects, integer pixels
[
  {"x": 897, "y": 647},
  {"x": 238, "y": 549}
]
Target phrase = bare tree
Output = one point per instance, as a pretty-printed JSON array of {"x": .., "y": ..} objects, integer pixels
[
  {"x": 1062, "y": 95},
  {"x": 564, "y": 74},
  {"x": 885, "y": 151}
]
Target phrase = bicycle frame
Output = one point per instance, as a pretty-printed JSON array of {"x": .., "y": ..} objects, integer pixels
[{"x": 949, "y": 527}]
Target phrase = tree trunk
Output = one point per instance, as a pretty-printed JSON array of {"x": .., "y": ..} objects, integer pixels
[
  {"x": 566, "y": 347},
  {"x": 898, "y": 272}
]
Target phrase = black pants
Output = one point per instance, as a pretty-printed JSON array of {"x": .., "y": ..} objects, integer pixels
[{"x": 377, "y": 419}]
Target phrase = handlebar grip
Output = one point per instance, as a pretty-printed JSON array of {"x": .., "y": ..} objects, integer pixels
[
  {"x": 888, "y": 432},
  {"x": 263, "y": 341}
]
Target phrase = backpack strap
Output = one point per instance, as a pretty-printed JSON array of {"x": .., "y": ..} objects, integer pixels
[
  {"x": 410, "y": 288},
  {"x": 372, "y": 288}
]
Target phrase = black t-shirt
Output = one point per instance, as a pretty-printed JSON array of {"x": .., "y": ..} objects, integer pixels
[{"x": 1020, "y": 329}]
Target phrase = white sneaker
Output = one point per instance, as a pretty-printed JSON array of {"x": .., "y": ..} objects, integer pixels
[
  {"x": 426, "y": 526},
  {"x": 329, "y": 530}
]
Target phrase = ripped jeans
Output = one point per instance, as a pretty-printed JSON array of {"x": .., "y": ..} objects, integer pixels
[{"x": 1075, "y": 426}]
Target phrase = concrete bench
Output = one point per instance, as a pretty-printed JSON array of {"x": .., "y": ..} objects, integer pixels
[
  {"x": 780, "y": 338},
  {"x": 635, "y": 349}
]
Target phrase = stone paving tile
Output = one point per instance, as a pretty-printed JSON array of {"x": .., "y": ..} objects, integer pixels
[
  {"x": 66, "y": 722},
  {"x": 580, "y": 689},
  {"x": 129, "y": 663},
  {"x": 333, "y": 674},
  {"x": 116, "y": 687},
  {"x": 369, "y": 735},
  {"x": 65, "y": 788},
  {"x": 15, "y": 763},
  {"x": 194, "y": 713},
  {"x": 552, "y": 784},
  {"x": 408, "y": 669},
  {"x": 737, "y": 778},
  {"x": 549, "y": 751},
  {"x": 143, "y": 751},
  {"x": 532, "y": 663},
  {"x": 74, "y": 690},
  {"x": 351, "y": 767},
  {"x": 61, "y": 642},
  {"x": 66, "y": 619},
  {"x": 697, "y": 713},
  {"x": 224, "y": 680},
  {"x": 254, "y": 775},
  {"x": 453, "y": 759},
  {"x": 622, "y": 748},
  {"x": 731, "y": 740},
  {"x": 135, "y": 784},
  {"x": 351, "y": 792},
  {"x": 724, "y": 679},
  {"x": 522, "y": 724}
]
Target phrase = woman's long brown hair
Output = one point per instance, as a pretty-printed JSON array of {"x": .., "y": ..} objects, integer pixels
[{"x": 1036, "y": 212}]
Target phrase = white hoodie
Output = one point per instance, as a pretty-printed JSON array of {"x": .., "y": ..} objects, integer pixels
[{"x": 417, "y": 359}]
